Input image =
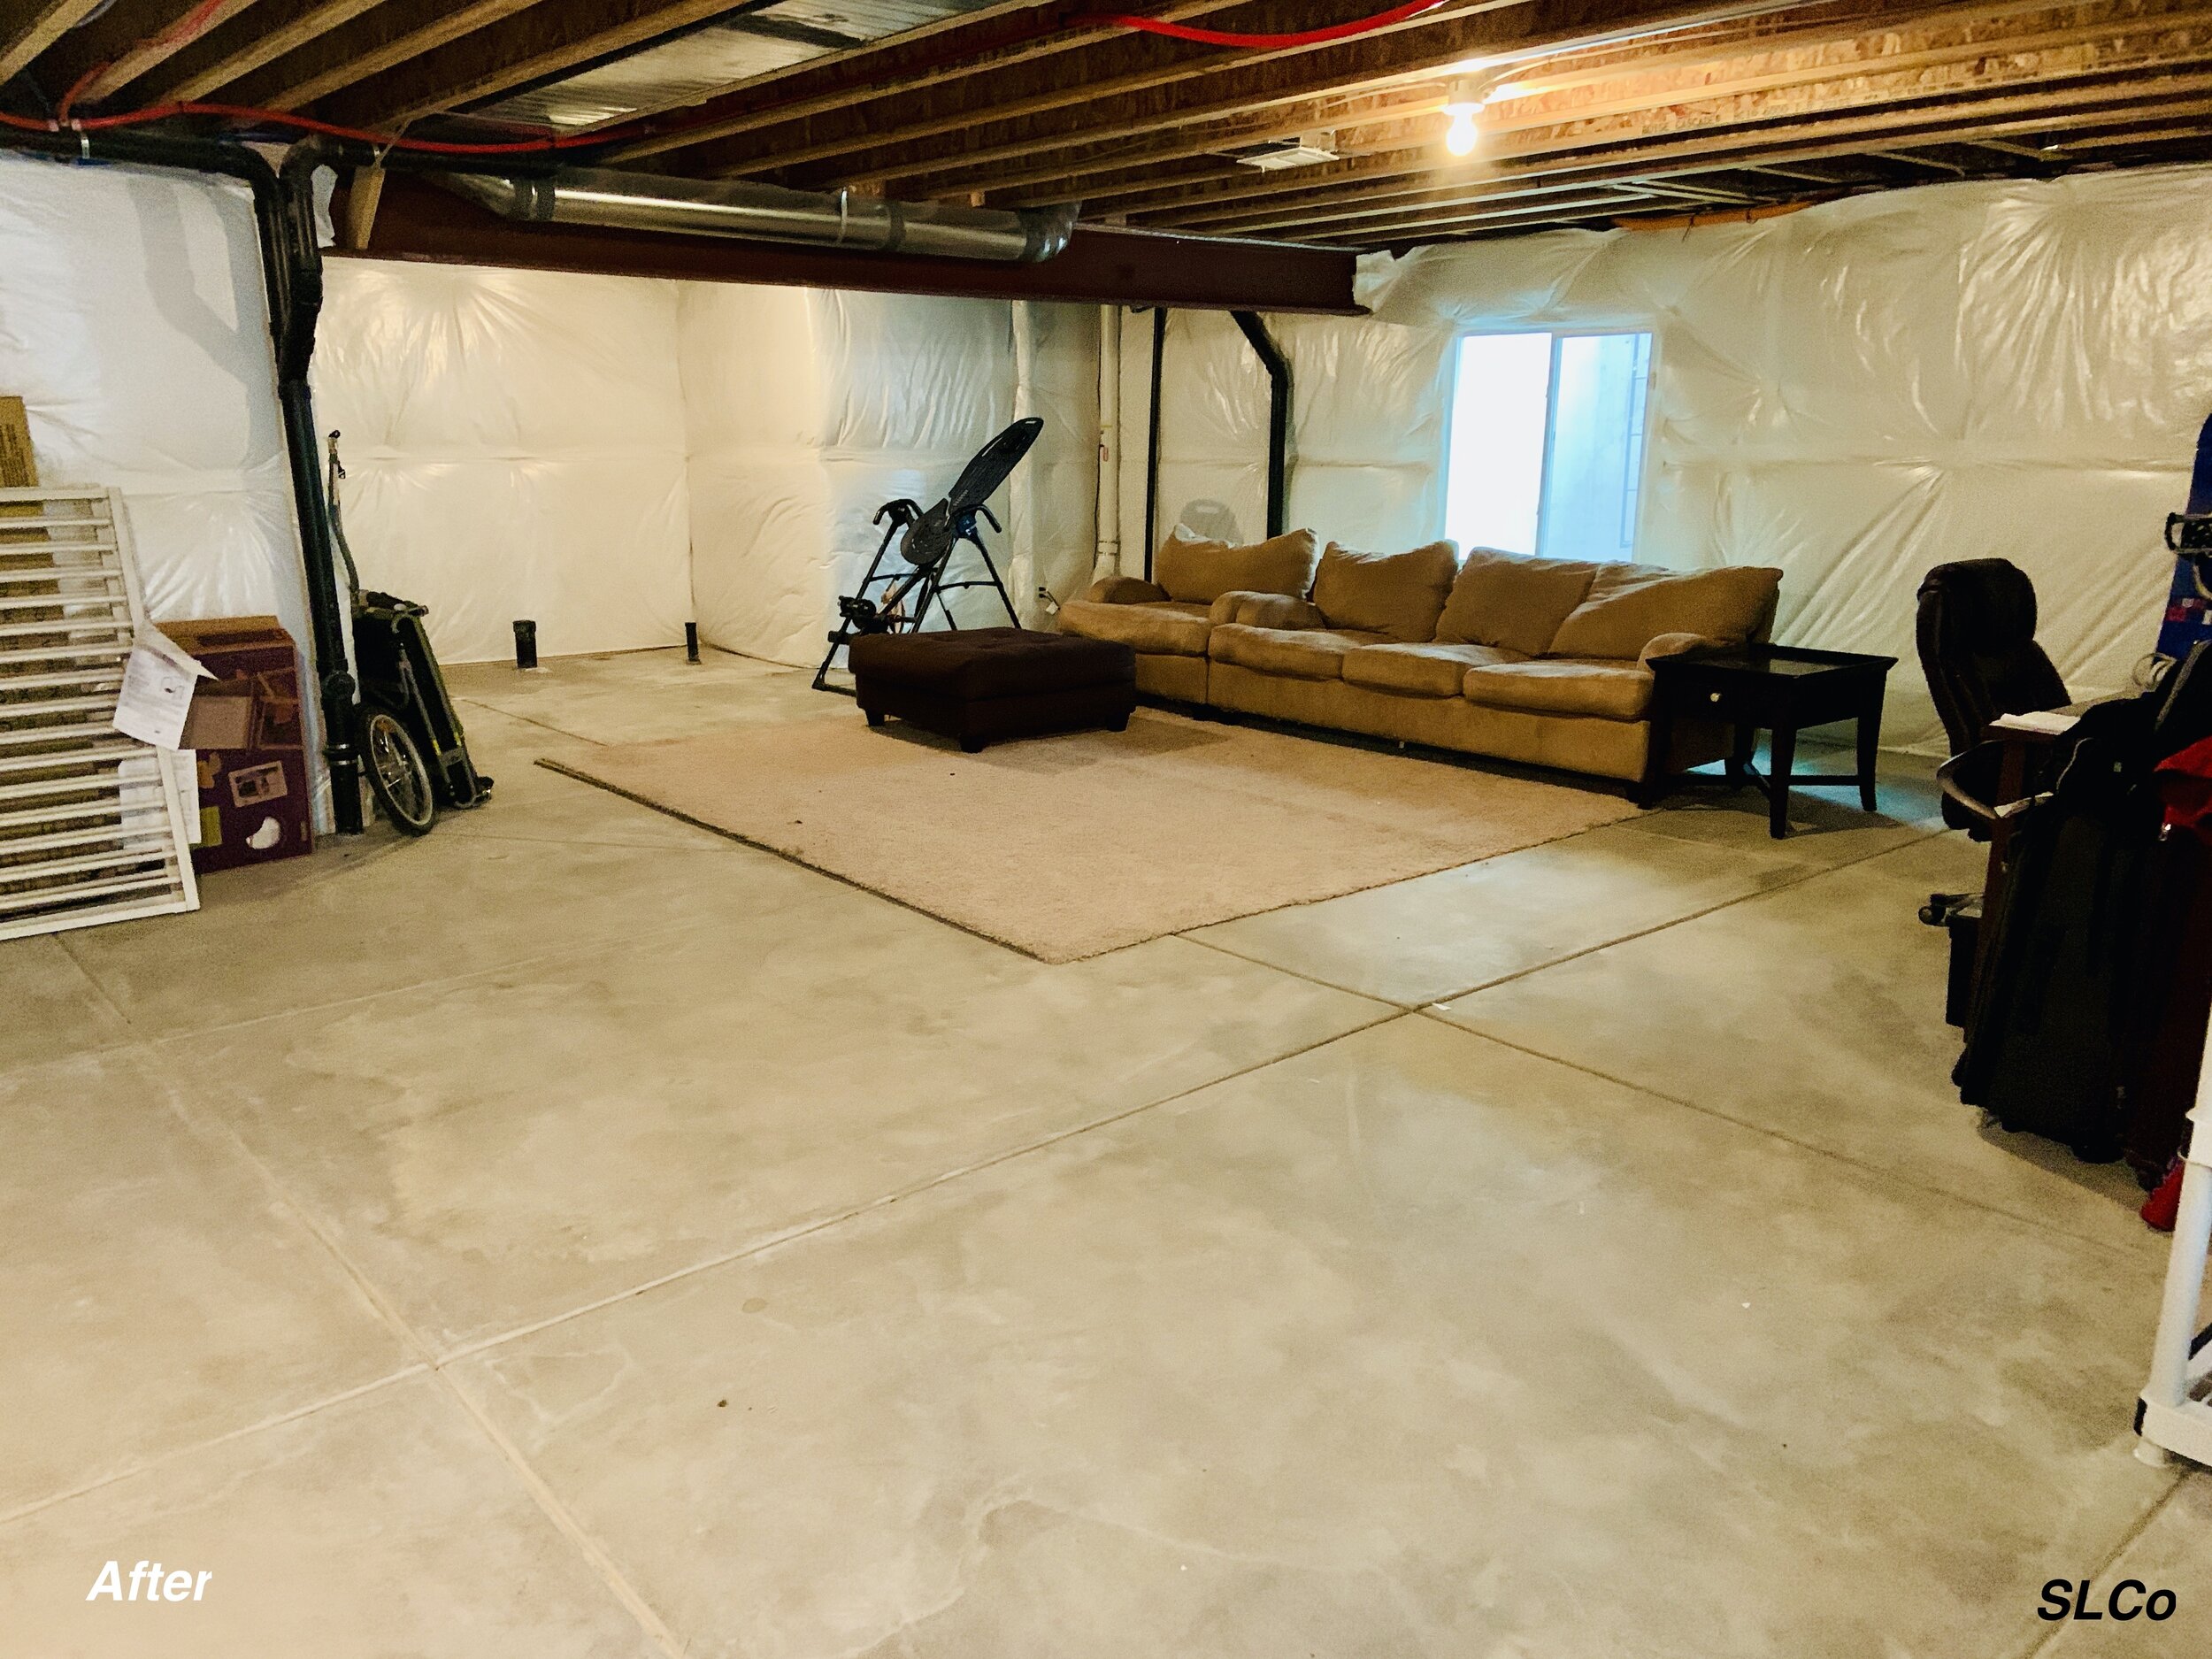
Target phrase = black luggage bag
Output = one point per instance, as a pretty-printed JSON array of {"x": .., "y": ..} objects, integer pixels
[{"x": 2075, "y": 947}]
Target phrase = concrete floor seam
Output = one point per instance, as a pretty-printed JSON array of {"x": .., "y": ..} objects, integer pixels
[
  {"x": 542, "y": 726},
  {"x": 1192, "y": 938},
  {"x": 176, "y": 1453},
  {"x": 570, "y": 953},
  {"x": 1873, "y": 1171},
  {"x": 827, "y": 1223},
  {"x": 1306, "y": 1326},
  {"x": 1572, "y": 955},
  {"x": 1660, "y": 928},
  {"x": 594, "y": 1553},
  {"x": 64, "y": 941},
  {"x": 2045, "y": 1642}
]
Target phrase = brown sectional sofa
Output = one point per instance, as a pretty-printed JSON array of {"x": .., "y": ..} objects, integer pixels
[{"x": 1540, "y": 661}]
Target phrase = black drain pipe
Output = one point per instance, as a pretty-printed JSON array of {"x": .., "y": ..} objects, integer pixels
[
  {"x": 1152, "y": 438},
  {"x": 1278, "y": 367},
  {"x": 292, "y": 271}
]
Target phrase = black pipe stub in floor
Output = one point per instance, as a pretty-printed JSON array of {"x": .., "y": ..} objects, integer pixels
[{"x": 691, "y": 641}]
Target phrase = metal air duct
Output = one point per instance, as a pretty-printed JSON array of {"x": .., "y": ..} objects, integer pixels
[{"x": 766, "y": 212}]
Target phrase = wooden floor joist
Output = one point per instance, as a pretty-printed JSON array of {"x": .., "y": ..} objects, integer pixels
[
  {"x": 1591, "y": 110},
  {"x": 24, "y": 36}
]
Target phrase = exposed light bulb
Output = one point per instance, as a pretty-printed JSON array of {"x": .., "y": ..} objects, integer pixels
[{"x": 1461, "y": 99}]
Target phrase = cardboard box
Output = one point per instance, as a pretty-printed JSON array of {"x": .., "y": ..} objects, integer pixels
[
  {"x": 18, "y": 469},
  {"x": 246, "y": 725}
]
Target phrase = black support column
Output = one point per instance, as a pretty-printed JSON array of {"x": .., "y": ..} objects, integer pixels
[{"x": 1278, "y": 367}]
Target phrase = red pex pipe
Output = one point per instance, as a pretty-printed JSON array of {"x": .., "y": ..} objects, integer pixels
[{"x": 1259, "y": 42}]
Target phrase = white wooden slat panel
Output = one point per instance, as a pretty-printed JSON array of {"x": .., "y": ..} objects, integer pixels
[{"x": 92, "y": 824}]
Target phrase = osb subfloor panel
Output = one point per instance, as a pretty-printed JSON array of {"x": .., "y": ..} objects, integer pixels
[{"x": 579, "y": 1234}]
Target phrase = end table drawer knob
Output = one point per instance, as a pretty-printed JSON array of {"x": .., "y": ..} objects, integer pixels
[{"x": 1712, "y": 696}]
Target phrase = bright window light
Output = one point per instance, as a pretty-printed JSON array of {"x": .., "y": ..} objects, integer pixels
[{"x": 1548, "y": 443}]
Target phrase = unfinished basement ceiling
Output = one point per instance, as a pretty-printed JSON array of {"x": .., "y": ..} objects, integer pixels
[{"x": 1588, "y": 114}]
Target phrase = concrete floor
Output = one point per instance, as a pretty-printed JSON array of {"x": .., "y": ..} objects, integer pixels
[{"x": 576, "y": 1234}]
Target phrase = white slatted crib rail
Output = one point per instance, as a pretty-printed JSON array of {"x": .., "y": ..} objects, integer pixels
[{"x": 92, "y": 824}]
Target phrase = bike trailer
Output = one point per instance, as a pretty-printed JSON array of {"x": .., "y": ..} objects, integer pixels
[{"x": 399, "y": 672}]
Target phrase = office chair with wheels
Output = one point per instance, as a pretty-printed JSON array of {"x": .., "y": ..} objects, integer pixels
[
  {"x": 1976, "y": 631},
  {"x": 1977, "y": 638}
]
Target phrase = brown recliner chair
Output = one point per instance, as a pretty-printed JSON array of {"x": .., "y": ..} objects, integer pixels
[{"x": 1977, "y": 638}]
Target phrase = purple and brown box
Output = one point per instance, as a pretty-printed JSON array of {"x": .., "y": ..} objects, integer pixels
[{"x": 245, "y": 725}]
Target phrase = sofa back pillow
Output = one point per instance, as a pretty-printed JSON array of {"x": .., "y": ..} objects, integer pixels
[
  {"x": 1630, "y": 605},
  {"x": 1512, "y": 600},
  {"x": 1197, "y": 572},
  {"x": 1397, "y": 594}
]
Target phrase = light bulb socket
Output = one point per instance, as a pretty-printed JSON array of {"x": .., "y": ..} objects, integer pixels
[{"x": 1464, "y": 96}]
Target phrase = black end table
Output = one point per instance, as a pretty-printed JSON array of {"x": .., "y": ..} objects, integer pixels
[{"x": 1781, "y": 689}]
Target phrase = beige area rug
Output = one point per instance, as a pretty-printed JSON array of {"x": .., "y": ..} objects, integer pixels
[{"x": 1065, "y": 847}]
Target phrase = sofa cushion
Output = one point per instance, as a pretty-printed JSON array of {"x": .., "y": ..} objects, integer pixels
[
  {"x": 1421, "y": 670},
  {"x": 1170, "y": 630},
  {"x": 1195, "y": 571},
  {"x": 1598, "y": 688},
  {"x": 1630, "y": 605},
  {"x": 1125, "y": 590},
  {"x": 1399, "y": 595},
  {"x": 1299, "y": 653},
  {"x": 1512, "y": 600},
  {"x": 1266, "y": 611}
]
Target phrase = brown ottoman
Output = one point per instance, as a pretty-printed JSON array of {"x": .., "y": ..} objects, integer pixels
[{"x": 981, "y": 686}]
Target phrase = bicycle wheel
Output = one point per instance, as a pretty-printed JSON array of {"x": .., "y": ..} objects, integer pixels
[{"x": 397, "y": 777}]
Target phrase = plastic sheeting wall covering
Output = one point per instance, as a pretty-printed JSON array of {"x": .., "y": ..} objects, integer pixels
[
  {"x": 134, "y": 325},
  {"x": 809, "y": 409},
  {"x": 1872, "y": 386},
  {"x": 1367, "y": 430},
  {"x": 515, "y": 445},
  {"x": 609, "y": 456}
]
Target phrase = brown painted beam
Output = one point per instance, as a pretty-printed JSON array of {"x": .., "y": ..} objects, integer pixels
[
  {"x": 417, "y": 221},
  {"x": 34, "y": 29}
]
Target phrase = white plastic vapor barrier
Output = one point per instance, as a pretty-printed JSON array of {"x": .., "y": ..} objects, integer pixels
[
  {"x": 807, "y": 410},
  {"x": 514, "y": 446},
  {"x": 1367, "y": 429},
  {"x": 134, "y": 325},
  {"x": 1865, "y": 389}
]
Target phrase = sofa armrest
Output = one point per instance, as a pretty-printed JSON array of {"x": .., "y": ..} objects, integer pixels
[
  {"x": 1675, "y": 645},
  {"x": 1125, "y": 590},
  {"x": 1266, "y": 611}
]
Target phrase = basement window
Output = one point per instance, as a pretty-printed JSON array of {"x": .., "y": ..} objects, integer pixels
[{"x": 1546, "y": 449}]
